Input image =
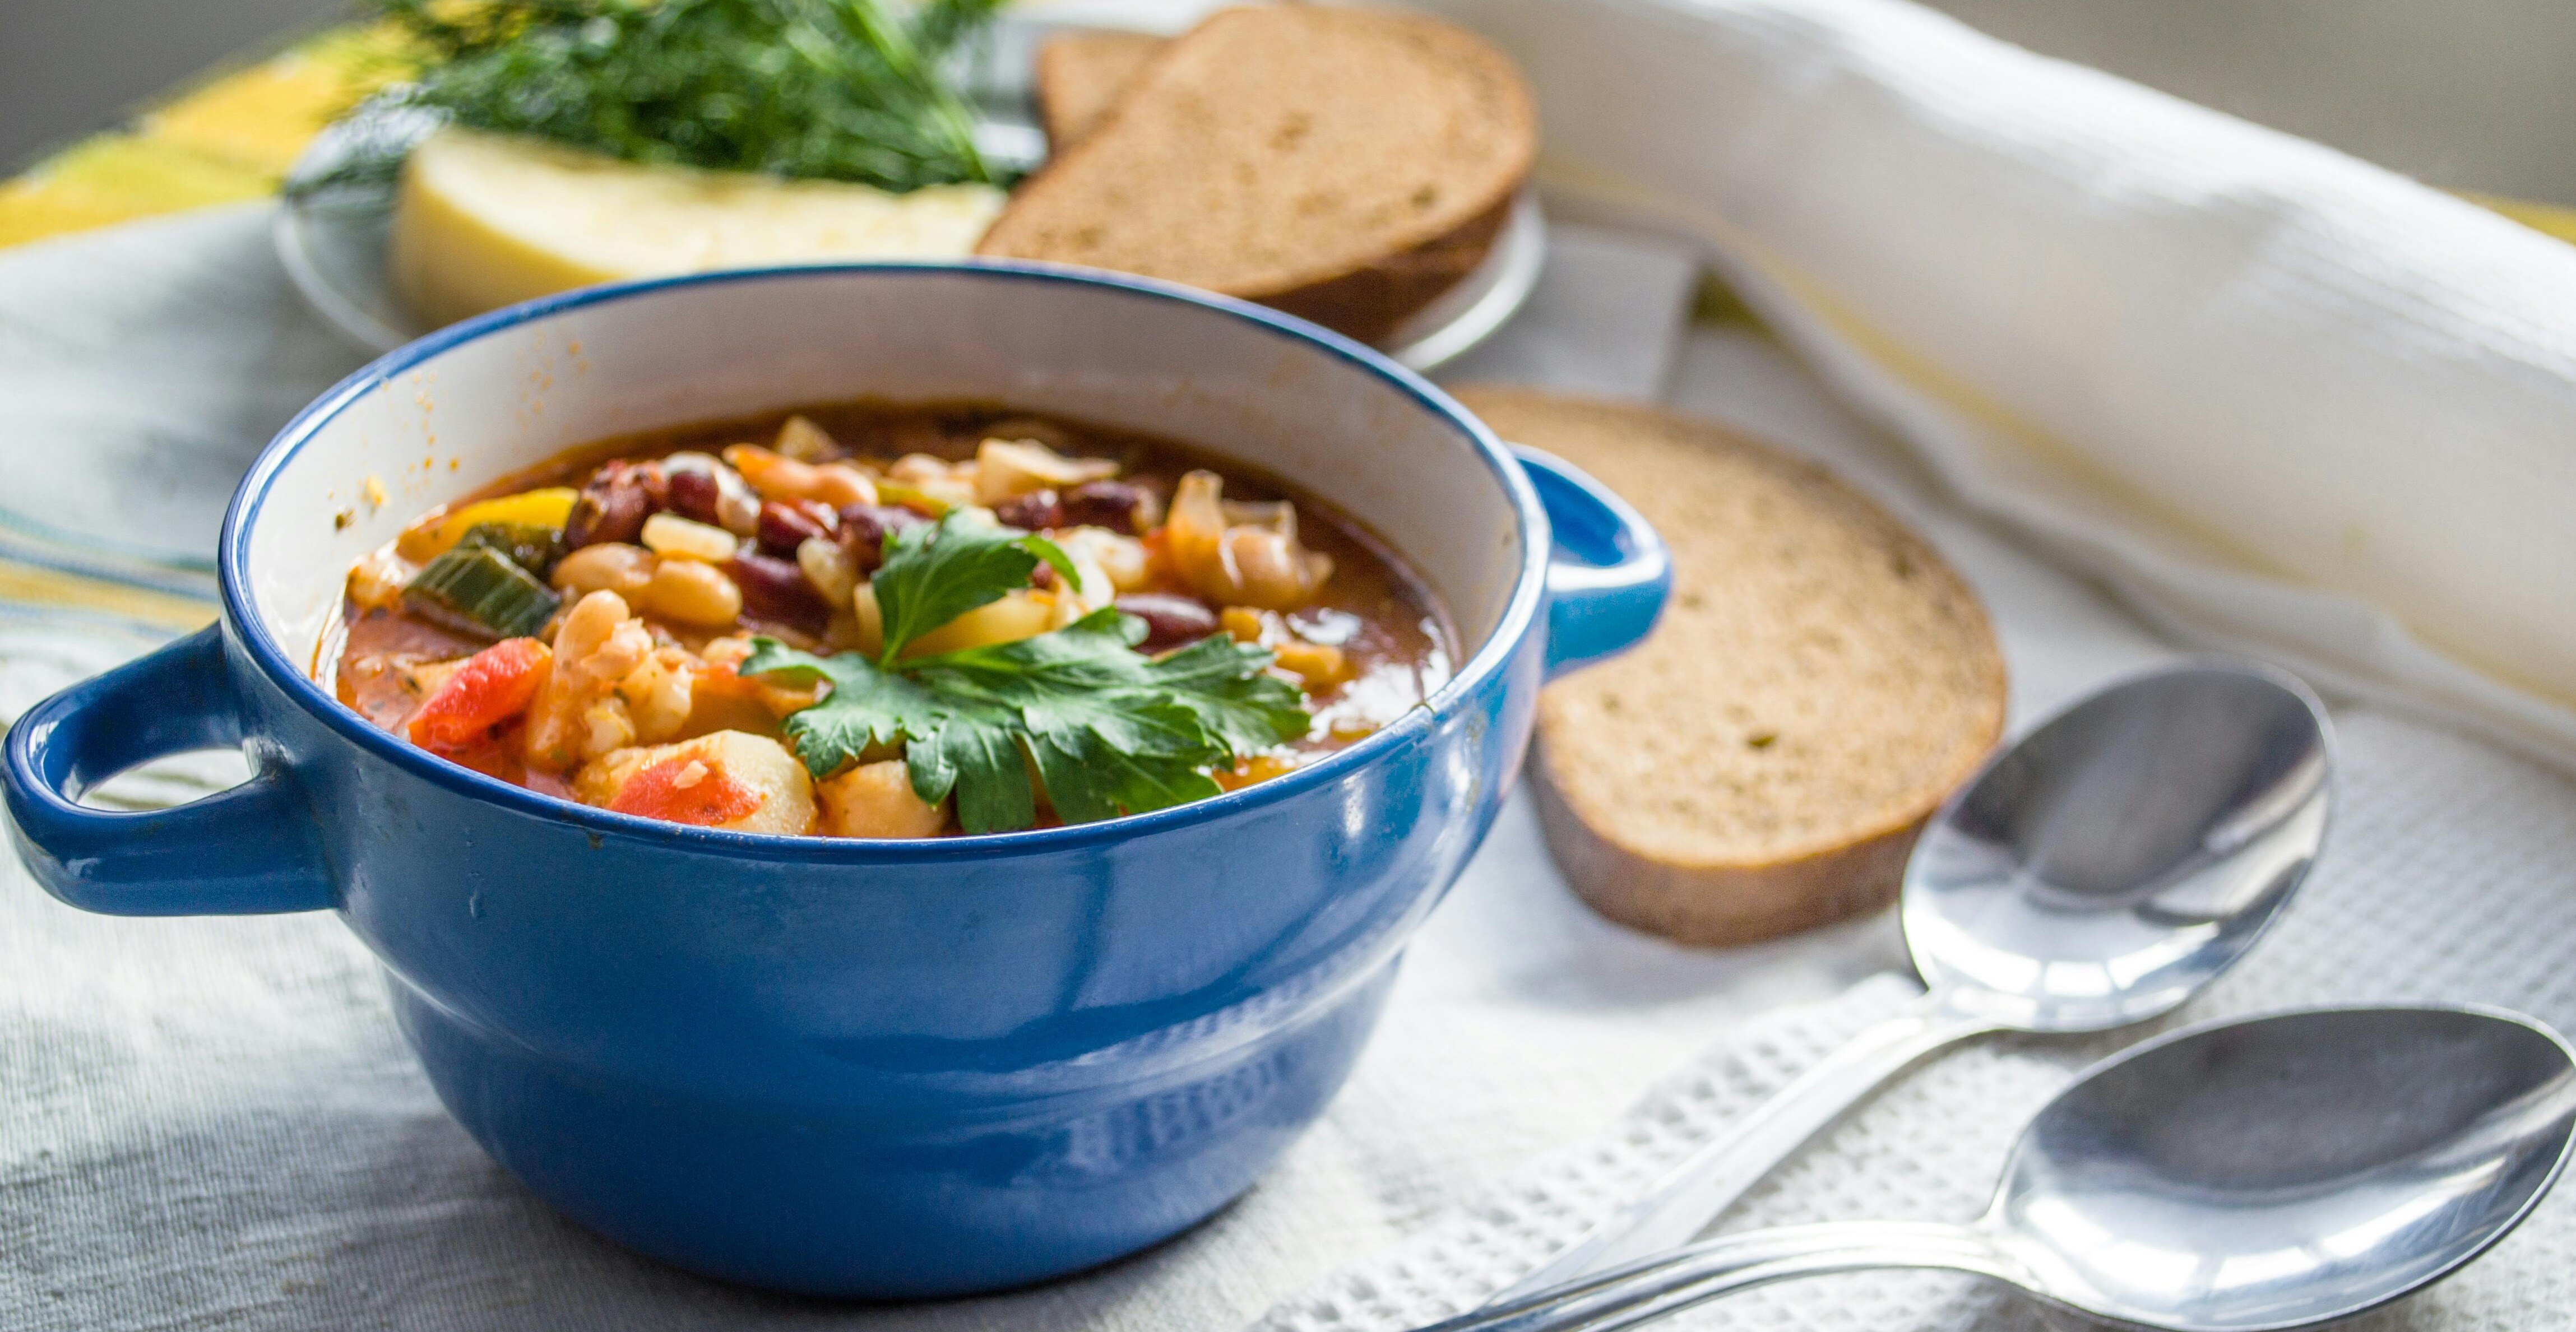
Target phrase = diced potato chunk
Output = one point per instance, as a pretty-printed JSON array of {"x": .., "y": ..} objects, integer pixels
[
  {"x": 1020, "y": 614},
  {"x": 805, "y": 441},
  {"x": 877, "y": 800},
  {"x": 731, "y": 780}
]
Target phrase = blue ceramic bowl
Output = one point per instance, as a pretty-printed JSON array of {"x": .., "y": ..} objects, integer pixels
[{"x": 860, "y": 1068}]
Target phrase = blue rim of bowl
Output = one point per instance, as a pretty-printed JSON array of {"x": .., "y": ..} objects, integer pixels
[{"x": 232, "y": 553}]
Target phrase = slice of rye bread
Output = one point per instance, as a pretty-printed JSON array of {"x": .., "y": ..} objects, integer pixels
[
  {"x": 1080, "y": 74},
  {"x": 1345, "y": 165},
  {"x": 1820, "y": 681}
]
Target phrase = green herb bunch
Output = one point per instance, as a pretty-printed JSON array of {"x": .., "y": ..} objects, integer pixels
[
  {"x": 822, "y": 89},
  {"x": 1107, "y": 729}
]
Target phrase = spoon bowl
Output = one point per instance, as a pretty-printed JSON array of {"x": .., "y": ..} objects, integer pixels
[
  {"x": 2098, "y": 873},
  {"x": 2121, "y": 856},
  {"x": 2287, "y": 1171},
  {"x": 2262, "y": 1175}
]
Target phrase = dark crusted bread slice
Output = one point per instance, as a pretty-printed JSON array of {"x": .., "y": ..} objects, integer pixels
[
  {"x": 1347, "y": 165},
  {"x": 1821, "y": 680},
  {"x": 1080, "y": 74}
]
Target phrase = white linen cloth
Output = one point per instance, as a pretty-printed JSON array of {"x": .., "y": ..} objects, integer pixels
[
  {"x": 212, "y": 1123},
  {"x": 2276, "y": 396}
]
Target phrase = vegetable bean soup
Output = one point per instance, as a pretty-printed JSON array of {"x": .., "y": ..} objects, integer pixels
[{"x": 874, "y": 621}]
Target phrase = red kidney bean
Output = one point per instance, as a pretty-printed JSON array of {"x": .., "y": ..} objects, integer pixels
[
  {"x": 615, "y": 502},
  {"x": 864, "y": 528},
  {"x": 1110, "y": 504},
  {"x": 1033, "y": 512},
  {"x": 776, "y": 590},
  {"x": 785, "y": 525},
  {"x": 695, "y": 495},
  {"x": 1169, "y": 620}
]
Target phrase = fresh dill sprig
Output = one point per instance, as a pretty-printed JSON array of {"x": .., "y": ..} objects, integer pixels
[{"x": 820, "y": 89}]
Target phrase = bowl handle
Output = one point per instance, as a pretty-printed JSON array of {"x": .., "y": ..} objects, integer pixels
[
  {"x": 1610, "y": 573},
  {"x": 254, "y": 848}
]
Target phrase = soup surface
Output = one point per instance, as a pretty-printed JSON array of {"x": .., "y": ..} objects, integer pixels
[{"x": 863, "y": 620}]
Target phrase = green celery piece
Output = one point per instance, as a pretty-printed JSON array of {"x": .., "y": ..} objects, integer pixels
[
  {"x": 532, "y": 548},
  {"x": 480, "y": 590},
  {"x": 934, "y": 573}
]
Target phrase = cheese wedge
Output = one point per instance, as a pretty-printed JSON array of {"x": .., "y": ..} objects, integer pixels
[{"x": 482, "y": 221}]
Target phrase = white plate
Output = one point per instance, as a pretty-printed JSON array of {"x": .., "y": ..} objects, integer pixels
[{"x": 332, "y": 242}]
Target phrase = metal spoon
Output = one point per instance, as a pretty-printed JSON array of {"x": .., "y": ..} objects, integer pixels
[
  {"x": 2273, "y": 1173},
  {"x": 2096, "y": 874}
]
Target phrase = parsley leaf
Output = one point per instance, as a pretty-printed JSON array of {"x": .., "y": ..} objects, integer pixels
[
  {"x": 866, "y": 709},
  {"x": 1114, "y": 731},
  {"x": 944, "y": 739},
  {"x": 1109, "y": 730},
  {"x": 934, "y": 573}
]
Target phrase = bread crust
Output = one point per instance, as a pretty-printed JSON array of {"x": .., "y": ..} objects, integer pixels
[
  {"x": 1366, "y": 301},
  {"x": 1718, "y": 906},
  {"x": 1713, "y": 883},
  {"x": 1370, "y": 303}
]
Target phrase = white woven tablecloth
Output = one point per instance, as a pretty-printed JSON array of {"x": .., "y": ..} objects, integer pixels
[{"x": 211, "y": 1124}]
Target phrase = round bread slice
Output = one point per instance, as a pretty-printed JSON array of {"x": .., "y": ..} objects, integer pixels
[
  {"x": 1345, "y": 165},
  {"x": 1820, "y": 682}
]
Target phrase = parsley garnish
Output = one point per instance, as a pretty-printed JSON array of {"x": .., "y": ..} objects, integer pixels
[
  {"x": 933, "y": 574},
  {"x": 1109, "y": 730}
]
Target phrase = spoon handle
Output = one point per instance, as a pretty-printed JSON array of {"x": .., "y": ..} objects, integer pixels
[
  {"x": 1644, "y": 1291},
  {"x": 1693, "y": 1193}
]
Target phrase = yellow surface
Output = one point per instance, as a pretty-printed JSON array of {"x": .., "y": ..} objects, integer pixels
[
  {"x": 549, "y": 507},
  {"x": 228, "y": 139},
  {"x": 262, "y": 117},
  {"x": 2549, "y": 218},
  {"x": 116, "y": 178},
  {"x": 33, "y": 585},
  {"x": 487, "y": 220}
]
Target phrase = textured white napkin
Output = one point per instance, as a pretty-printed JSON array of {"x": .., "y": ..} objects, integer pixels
[
  {"x": 2276, "y": 396},
  {"x": 2448, "y": 880}
]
